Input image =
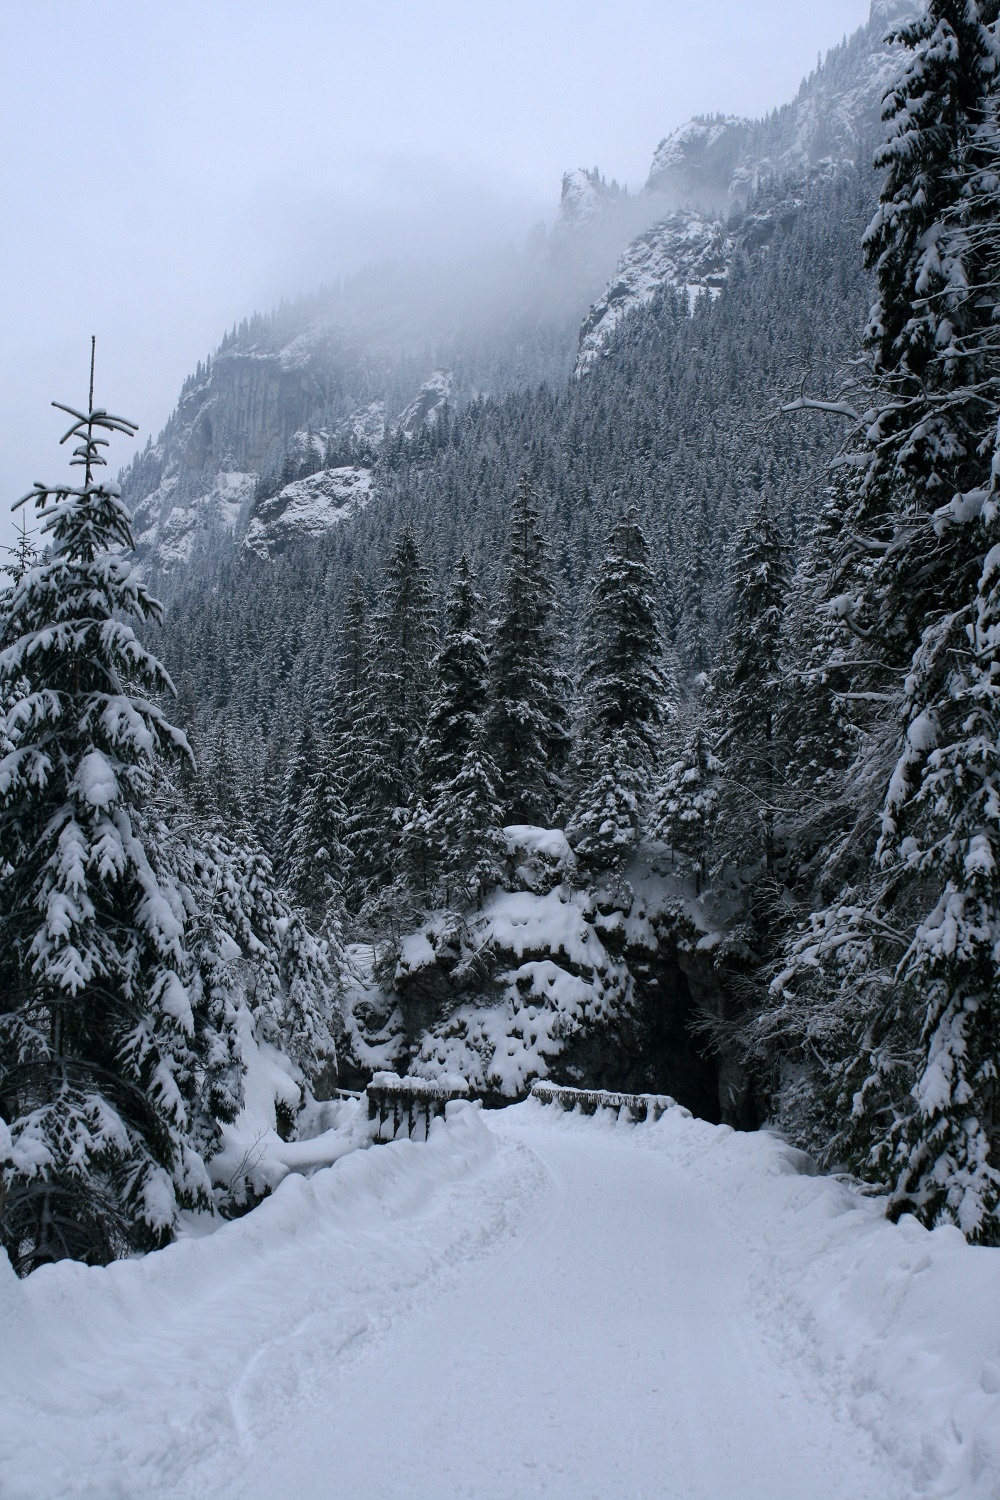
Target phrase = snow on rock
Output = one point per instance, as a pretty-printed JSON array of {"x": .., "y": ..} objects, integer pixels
[
  {"x": 696, "y": 163},
  {"x": 583, "y": 197},
  {"x": 254, "y": 1157},
  {"x": 887, "y": 14},
  {"x": 368, "y": 423},
  {"x": 712, "y": 166},
  {"x": 686, "y": 250},
  {"x": 308, "y": 508},
  {"x": 541, "y": 858},
  {"x": 434, "y": 397},
  {"x": 171, "y": 527},
  {"x": 373, "y": 1037},
  {"x": 546, "y": 976}
]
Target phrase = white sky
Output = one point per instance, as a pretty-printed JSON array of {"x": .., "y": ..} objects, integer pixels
[{"x": 167, "y": 167}]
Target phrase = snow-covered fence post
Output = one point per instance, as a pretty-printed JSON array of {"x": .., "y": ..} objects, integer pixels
[
  {"x": 639, "y": 1107},
  {"x": 409, "y": 1098}
]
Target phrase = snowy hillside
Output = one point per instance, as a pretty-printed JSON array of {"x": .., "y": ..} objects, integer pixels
[
  {"x": 530, "y": 1304},
  {"x": 686, "y": 250}
]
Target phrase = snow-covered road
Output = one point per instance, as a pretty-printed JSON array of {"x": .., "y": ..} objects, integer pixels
[{"x": 531, "y": 1304}]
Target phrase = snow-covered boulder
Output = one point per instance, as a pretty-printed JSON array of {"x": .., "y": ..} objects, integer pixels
[{"x": 540, "y": 858}]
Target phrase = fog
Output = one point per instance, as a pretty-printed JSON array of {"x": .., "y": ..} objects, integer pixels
[{"x": 167, "y": 169}]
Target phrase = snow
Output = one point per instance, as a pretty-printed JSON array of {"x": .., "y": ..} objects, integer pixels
[
  {"x": 253, "y": 1152},
  {"x": 308, "y": 508},
  {"x": 555, "y": 979},
  {"x": 427, "y": 406},
  {"x": 584, "y": 193},
  {"x": 171, "y": 530},
  {"x": 700, "y": 156},
  {"x": 688, "y": 250},
  {"x": 523, "y": 923},
  {"x": 710, "y": 165},
  {"x": 95, "y": 780},
  {"x": 531, "y": 1303}
]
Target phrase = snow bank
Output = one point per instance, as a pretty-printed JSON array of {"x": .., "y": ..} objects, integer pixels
[
  {"x": 115, "y": 1381},
  {"x": 182, "y": 1373}
]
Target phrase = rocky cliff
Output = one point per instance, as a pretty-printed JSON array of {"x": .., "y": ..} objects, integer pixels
[{"x": 720, "y": 184}]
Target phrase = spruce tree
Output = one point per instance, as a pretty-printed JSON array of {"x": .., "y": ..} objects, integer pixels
[
  {"x": 749, "y": 699},
  {"x": 528, "y": 727},
  {"x": 452, "y": 833},
  {"x": 381, "y": 749},
  {"x": 941, "y": 836},
  {"x": 932, "y": 404},
  {"x": 300, "y": 772},
  {"x": 404, "y": 637},
  {"x": 687, "y": 802},
  {"x": 102, "y": 1046},
  {"x": 692, "y": 633},
  {"x": 622, "y": 698},
  {"x": 465, "y": 830},
  {"x": 460, "y": 683},
  {"x": 318, "y": 861},
  {"x": 887, "y": 995},
  {"x": 606, "y": 823},
  {"x": 622, "y": 685}
]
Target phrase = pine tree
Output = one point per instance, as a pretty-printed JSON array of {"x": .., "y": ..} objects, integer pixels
[
  {"x": 452, "y": 766},
  {"x": 388, "y": 720},
  {"x": 687, "y": 801},
  {"x": 930, "y": 329},
  {"x": 404, "y": 633},
  {"x": 605, "y": 826},
  {"x": 942, "y": 833},
  {"x": 101, "y": 1049},
  {"x": 528, "y": 725},
  {"x": 926, "y": 297},
  {"x": 692, "y": 636},
  {"x": 299, "y": 775},
  {"x": 751, "y": 688},
  {"x": 622, "y": 686},
  {"x": 460, "y": 678},
  {"x": 318, "y": 861},
  {"x": 465, "y": 830},
  {"x": 622, "y": 698},
  {"x": 889, "y": 990}
]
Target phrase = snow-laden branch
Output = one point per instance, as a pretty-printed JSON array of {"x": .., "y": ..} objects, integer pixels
[{"x": 834, "y": 408}]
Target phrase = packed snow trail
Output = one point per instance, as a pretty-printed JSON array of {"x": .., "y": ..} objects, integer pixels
[
  {"x": 529, "y": 1304},
  {"x": 610, "y": 1350}
]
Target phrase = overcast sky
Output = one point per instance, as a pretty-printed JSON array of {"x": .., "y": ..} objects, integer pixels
[{"x": 167, "y": 167}]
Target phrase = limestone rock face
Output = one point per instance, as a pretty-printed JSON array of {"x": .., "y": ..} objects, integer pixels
[
  {"x": 308, "y": 508},
  {"x": 696, "y": 164}
]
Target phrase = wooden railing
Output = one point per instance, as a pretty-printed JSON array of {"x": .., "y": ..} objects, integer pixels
[
  {"x": 415, "y": 1102},
  {"x": 395, "y": 1103},
  {"x": 589, "y": 1101}
]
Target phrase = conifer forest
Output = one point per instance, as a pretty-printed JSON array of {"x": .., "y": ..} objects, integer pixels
[{"x": 601, "y": 694}]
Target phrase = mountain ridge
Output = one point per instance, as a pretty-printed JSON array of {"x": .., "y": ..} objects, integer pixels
[{"x": 363, "y": 363}]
